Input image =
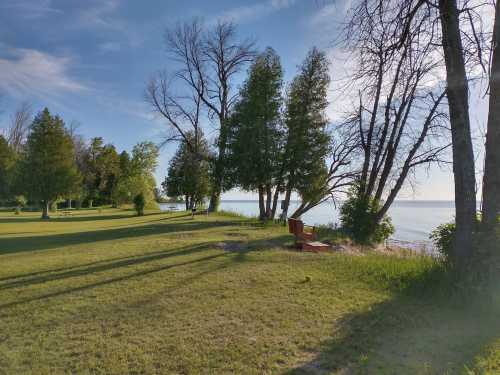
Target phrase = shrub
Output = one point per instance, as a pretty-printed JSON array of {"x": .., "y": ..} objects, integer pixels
[
  {"x": 139, "y": 204},
  {"x": 358, "y": 219},
  {"x": 442, "y": 237}
]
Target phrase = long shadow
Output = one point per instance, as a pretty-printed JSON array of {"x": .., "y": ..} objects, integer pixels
[
  {"x": 108, "y": 281},
  {"x": 108, "y": 265},
  {"x": 405, "y": 335},
  {"x": 74, "y": 218},
  {"x": 38, "y": 243},
  {"x": 105, "y": 265}
]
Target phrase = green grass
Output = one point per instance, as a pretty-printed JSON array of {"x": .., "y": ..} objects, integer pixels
[{"x": 110, "y": 293}]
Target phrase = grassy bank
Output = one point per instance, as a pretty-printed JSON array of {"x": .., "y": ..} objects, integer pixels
[{"x": 110, "y": 293}]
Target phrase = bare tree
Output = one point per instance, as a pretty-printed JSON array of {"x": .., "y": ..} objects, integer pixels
[
  {"x": 342, "y": 170},
  {"x": 19, "y": 126},
  {"x": 400, "y": 119},
  {"x": 209, "y": 60}
]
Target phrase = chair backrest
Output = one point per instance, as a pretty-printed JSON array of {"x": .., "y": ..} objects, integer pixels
[{"x": 295, "y": 226}]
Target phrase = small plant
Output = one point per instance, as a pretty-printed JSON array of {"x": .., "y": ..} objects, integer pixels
[
  {"x": 139, "y": 204},
  {"x": 442, "y": 238},
  {"x": 20, "y": 202},
  {"x": 359, "y": 221}
]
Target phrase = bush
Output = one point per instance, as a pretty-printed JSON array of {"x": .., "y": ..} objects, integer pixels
[
  {"x": 442, "y": 237},
  {"x": 139, "y": 204},
  {"x": 358, "y": 219}
]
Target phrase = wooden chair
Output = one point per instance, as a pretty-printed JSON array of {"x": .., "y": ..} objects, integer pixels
[{"x": 297, "y": 228}]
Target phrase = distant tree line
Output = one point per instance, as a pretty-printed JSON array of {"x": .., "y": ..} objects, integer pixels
[{"x": 44, "y": 162}]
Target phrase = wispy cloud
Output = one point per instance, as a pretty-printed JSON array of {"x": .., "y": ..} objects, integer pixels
[
  {"x": 29, "y": 72},
  {"x": 249, "y": 13},
  {"x": 29, "y": 9}
]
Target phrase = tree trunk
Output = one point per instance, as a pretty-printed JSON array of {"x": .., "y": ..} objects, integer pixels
[
  {"x": 45, "y": 210},
  {"x": 269, "y": 198},
  {"x": 90, "y": 203},
  {"x": 463, "y": 154},
  {"x": 275, "y": 201},
  {"x": 286, "y": 204},
  {"x": 262, "y": 208},
  {"x": 186, "y": 202},
  {"x": 491, "y": 179}
]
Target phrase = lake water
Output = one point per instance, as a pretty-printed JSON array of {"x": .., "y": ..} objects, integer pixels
[{"x": 413, "y": 220}]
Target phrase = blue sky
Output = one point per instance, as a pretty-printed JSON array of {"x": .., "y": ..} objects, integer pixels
[{"x": 89, "y": 61}]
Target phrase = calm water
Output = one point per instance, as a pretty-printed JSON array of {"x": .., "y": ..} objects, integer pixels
[{"x": 413, "y": 220}]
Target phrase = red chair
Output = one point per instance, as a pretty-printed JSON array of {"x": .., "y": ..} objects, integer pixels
[{"x": 297, "y": 228}]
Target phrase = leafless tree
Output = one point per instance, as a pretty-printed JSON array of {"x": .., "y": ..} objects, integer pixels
[
  {"x": 19, "y": 126},
  {"x": 342, "y": 169},
  {"x": 456, "y": 29},
  {"x": 209, "y": 59},
  {"x": 399, "y": 119}
]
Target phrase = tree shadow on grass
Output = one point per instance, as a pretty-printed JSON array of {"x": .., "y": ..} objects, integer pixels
[
  {"x": 36, "y": 243},
  {"x": 406, "y": 335},
  {"x": 79, "y": 217},
  {"x": 28, "y": 280}
]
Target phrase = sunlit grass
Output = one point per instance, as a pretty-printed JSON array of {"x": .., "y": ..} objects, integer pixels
[{"x": 111, "y": 293}]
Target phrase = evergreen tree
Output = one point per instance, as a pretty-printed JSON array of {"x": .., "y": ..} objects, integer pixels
[
  {"x": 307, "y": 139},
  {"x": 188, "y": 174},
  {"x": 48, "y": 169},
  {"x": 256, "y": 131}
]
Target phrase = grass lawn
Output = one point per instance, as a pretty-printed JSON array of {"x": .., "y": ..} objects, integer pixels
[{"x": 110, "y": 293}]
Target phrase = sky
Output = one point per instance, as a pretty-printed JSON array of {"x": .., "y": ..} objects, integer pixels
[{"x": 89, "y": 61}]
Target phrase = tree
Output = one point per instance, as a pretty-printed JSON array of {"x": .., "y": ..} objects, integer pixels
[
  {"x": 48, "y": 167},
  {"x": 210, "y": 60},
  {"x": 256, "y": 138},
  {"x": 7, "y": 161},
  {"x": 19, "y": 127},
  {"x": 307, "y": 141},
  {"x": 400, "y": 119},
  {"x": 136, "y": 175},
  {"x": 188, "y": 175},
  {"x": 491, "y": 182},
  {"x": 463, "y": 153}
]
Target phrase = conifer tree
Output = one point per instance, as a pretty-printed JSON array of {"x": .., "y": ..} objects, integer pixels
[
  {"x": 49, "y": 170},
  {"x": 257, "y": 135}
]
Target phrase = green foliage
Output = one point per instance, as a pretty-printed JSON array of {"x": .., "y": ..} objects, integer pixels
[
  {"x": 257, "y": 135},
  {"x": 188, "y": 172},
  {"x": 443, "y": 237},
  {"x": 308, "y": 140},
  {"x": 139, "y": 204},
  {"x": 48, "y": 168},
  {"x": 7, "y": 161},
  {"x": 358, "y": 216}
]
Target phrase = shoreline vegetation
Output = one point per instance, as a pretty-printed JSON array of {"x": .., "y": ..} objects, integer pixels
[{"x": 104, "y": 291}]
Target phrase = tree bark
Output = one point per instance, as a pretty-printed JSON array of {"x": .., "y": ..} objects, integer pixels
[
  {"x": 463, "y": 154},
  {"x": 491, "y": 179},
  {"x": 45, "y": 210},
  {"x": 269, "y": 198}
]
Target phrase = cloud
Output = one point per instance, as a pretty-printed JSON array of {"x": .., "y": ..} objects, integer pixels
[
  {"x": 110, "y": 47},
  {"x": 30, "y": 9},
  {"x": 29, "y": 72},
  {"x": 245, "y": 14}
]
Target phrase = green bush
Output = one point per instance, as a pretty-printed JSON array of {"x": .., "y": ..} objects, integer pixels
[
  {"x": 139, "y": 204},
  {"x": 358, "y": 219},
  {"x": 442, "y": 238}
]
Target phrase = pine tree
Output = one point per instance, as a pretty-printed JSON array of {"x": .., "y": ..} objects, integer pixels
[
  {"x": 256, "y": 131},
  {"x": 48, "y": 169}
]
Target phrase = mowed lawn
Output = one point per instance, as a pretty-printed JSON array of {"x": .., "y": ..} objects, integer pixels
[{"x": 110, "y": 293}]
